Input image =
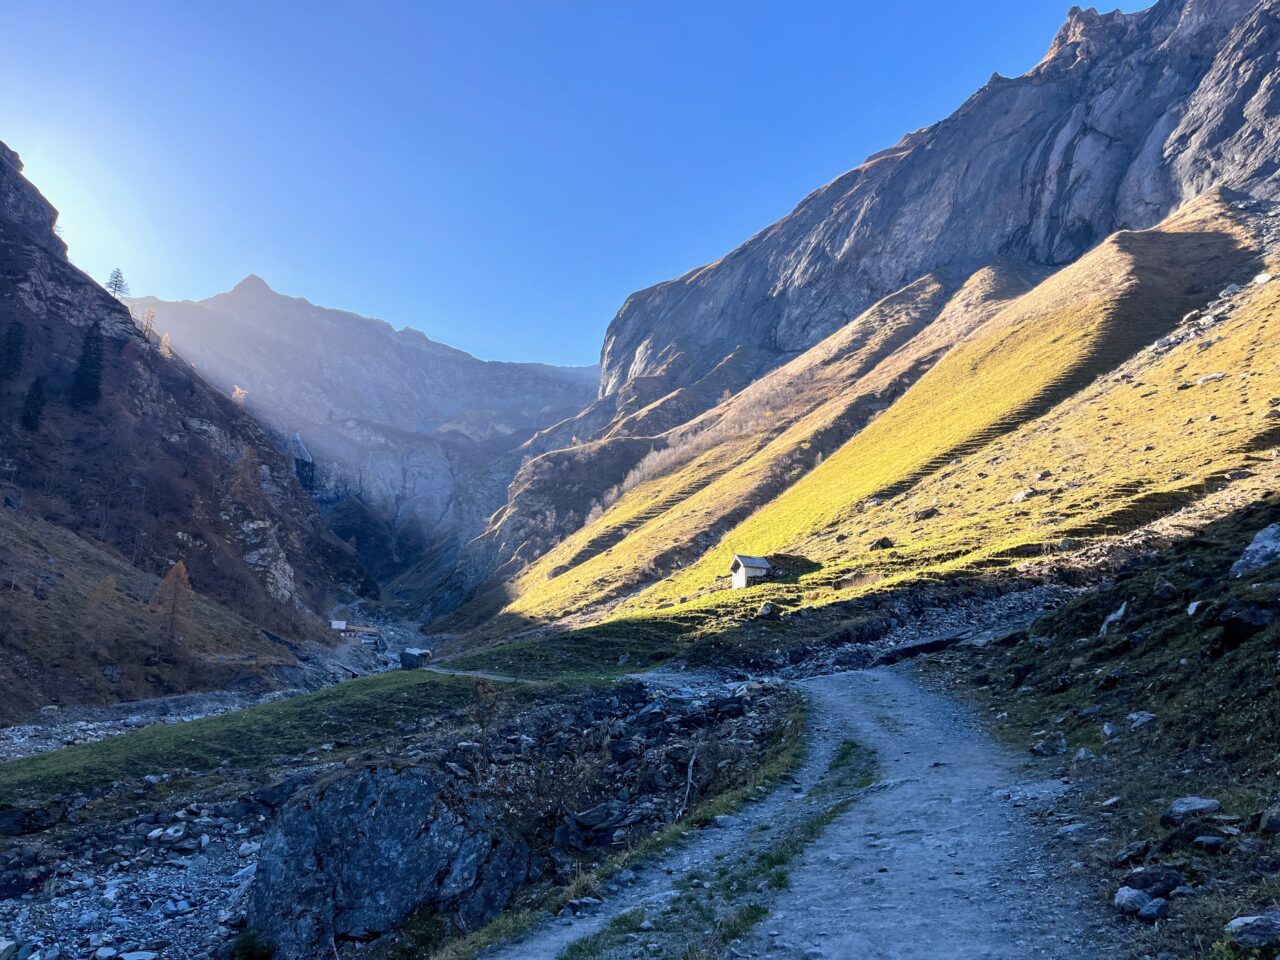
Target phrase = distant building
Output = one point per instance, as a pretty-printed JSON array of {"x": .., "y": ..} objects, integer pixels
[
  {"x": 369, "y": 636},
  {"x": 745, "y": 569}
]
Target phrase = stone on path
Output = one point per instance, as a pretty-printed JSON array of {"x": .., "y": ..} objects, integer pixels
[
  {"x": 1187, "y": 808},
  {"x": 1257, "y": 933}
]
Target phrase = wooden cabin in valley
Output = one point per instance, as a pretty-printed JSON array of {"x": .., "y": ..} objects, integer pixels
[{"x": 746, "y": 570}]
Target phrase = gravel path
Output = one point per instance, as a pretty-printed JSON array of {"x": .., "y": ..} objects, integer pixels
[{"x": 941, "y": 859}]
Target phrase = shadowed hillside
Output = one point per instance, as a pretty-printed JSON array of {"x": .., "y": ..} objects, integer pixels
[
  {"x": 413, "y": 442},
  {"x": 138, "y": 464}
]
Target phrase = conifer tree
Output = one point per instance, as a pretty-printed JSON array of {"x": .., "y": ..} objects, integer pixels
[
  {"x": 11, "y": 348},
  {"x": 117, "y": 285},
  {"x": 86, "y": 382},
  {"x": 33, "y": 405}
]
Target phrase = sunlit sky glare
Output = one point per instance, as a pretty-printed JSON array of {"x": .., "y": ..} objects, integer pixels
[{"x": 500, "y": 175}]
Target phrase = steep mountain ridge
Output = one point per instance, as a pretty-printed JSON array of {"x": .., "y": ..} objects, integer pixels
[
  {"x": 975, "y": 370},
  {"x": 108, "y": 443},
  {"x": 1126, "y": 118},
  {"x": 1096, "y": 138},
  {"x": 426, "y": 437},
  {"x": 340, "y": 365}
]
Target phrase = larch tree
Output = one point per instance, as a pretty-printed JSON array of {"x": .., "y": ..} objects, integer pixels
[
  {"x": 117, "y": 285},
  {"x": 173, "y": 600},
  {"x": 166, "y": 351}
]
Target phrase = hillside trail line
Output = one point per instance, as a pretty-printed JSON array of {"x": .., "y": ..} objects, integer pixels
[{"x": 941, "y": 859}]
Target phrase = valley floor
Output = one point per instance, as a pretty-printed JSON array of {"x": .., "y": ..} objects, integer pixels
[
  {"x": 53, "y": 728},
  {"x": 946, "y": 854}
]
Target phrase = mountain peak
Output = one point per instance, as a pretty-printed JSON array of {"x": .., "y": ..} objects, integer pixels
[{"x": 252, "y": 284}]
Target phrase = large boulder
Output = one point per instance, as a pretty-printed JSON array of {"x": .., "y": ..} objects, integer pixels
[
  {"x": 1189, "y": 808},
  {"x": 1262, "y": 552},
  {"x": 1129, "y": 901},
  {"x": 1239, "y": 622},
  {"x": 1154, "y": 881},
  {"x": 354, "y": 858},
  {"x": 1269, "y": 819}
]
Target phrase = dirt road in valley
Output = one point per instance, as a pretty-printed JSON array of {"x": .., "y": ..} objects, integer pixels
[{"x": 945, "y": 857}]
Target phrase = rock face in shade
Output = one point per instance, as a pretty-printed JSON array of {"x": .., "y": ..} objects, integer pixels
[
  {"x": 414, "y": 441},
  {"x": 158, "y": 467},
  {"x": 326, "y": 871}
]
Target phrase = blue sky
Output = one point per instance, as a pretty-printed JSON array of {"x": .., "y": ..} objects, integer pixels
[{"x": 499, "y": 175}]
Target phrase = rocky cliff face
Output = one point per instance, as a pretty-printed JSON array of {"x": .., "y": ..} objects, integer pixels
[
  {"x": 425, "y": 436},
  {"x": 314, "y": 365},
  {"x": 1127, "y": 117},
  {"x": 131, "y": 451}
]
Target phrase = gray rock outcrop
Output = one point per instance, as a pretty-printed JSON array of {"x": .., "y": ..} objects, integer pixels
[
  {"x": 1263, "y": 551},
  {"x": 454, "y": 829},
  {"x": 356, "y": 858},
  {"x": 1127, "y": 117},
  {"x": 414, "y": 440}
]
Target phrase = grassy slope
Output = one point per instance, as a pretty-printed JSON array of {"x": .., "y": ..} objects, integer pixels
[
  {"x": 1039, "y": 389},
  {"x": 805, "y": 408},
  {"x": 1035, "y": 354},
  {"x": 250, "y": 738},
  {"x": 75, "y": 612}
]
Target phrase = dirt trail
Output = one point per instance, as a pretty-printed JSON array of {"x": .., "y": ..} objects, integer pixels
[
  {"x": 940, "y": 859},
  {"x": 477, "y": 674}
]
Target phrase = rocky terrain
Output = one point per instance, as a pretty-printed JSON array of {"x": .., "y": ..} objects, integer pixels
[
  {"x": 1001, "y": 408},
  {"x": 1039, "y": 832},
  {"x": 949, "y": 828},
  {"x": 525, "y": 803},
  {"x": 412, "y": 443},
  {"x": 118, "y": 464}
]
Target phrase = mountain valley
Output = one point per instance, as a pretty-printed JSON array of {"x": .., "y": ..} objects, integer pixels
[{"x": 988, "y": 428}]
